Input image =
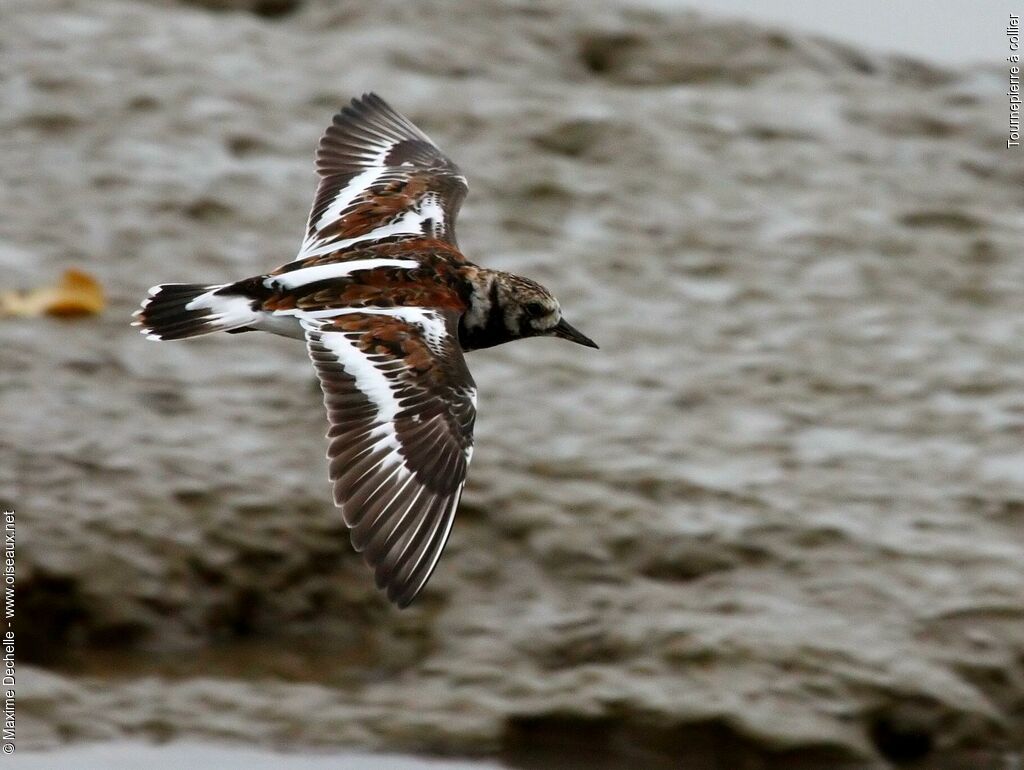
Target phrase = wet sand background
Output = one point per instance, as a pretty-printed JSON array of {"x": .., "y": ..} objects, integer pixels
[{"x": 775, "y": 522}]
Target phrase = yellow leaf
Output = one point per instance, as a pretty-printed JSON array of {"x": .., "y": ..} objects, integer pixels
[{"x": 77, "y": 294}]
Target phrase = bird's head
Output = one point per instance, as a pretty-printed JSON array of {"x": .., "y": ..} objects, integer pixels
[{"x": 530, "y": 310}]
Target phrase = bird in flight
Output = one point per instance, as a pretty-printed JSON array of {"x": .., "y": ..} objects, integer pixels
[{"x": 387, "y": 305}]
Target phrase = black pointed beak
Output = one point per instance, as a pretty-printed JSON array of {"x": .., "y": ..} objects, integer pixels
[{"x": 566, "y": 331}]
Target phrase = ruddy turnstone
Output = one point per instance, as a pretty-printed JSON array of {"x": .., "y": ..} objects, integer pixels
[{"x": 387, "y": 305}]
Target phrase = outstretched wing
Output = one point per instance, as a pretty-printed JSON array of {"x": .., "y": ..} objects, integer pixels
[
  {"x": 401, "y": 405},
  {"x": 380, "y": 178}
]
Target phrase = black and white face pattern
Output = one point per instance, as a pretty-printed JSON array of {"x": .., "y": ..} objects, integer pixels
[
  {"x": 504, "y": 307},
  {"x": 528, "y": 309}
]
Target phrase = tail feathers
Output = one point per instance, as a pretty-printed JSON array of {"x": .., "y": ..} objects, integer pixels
[{"x": 174, "y": 311}]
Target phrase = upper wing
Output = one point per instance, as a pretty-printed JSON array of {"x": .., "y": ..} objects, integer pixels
[
  {"x": 401, "y": 405},
  {"x": 380, "y": 177}
]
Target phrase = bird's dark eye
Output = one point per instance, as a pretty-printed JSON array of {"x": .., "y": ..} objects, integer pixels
[{"x": 535, "y": 309}]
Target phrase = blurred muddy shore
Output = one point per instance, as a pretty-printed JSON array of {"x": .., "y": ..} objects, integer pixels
[{"x": 776, "y": 521}]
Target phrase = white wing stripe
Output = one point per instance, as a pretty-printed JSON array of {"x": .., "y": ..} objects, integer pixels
[
  {"x": 411, "y": 223},
  {"x": 369, "y": 380},
  {"x": 432, "y": 324},
  {"x": 357, "y": 184},
  {"x": 307, "y": 275}
]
